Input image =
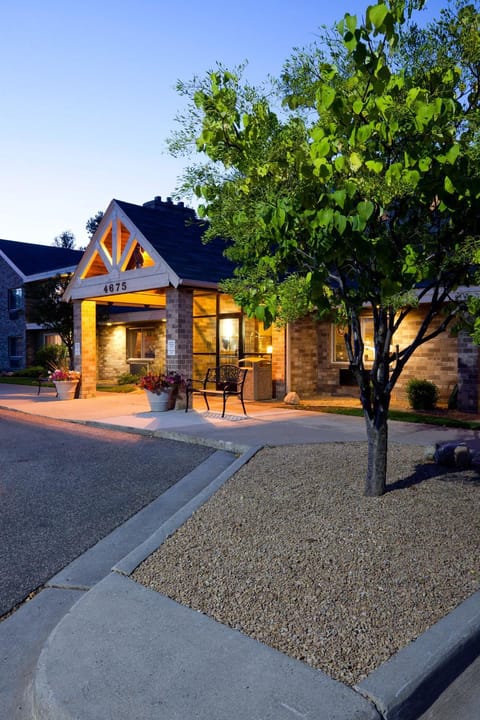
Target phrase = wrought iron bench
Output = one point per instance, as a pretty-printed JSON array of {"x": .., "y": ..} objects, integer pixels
[
  {"x": 44, "y": 381},
  {"x": 224, "y": 381}
]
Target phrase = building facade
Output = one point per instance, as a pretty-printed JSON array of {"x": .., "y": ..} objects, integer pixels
[
  {"x": 23, "y": 265},
  {"x": 146, "y": 295}
]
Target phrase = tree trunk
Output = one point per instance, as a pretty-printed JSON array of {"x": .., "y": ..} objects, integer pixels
[{"x": 377, "y": 436}]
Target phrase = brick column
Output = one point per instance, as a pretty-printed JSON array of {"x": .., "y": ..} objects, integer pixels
[
  {"x": 85, "y": 350},
  {"x": 180, "y": 331},
  {"x": 468, "y": 373}
]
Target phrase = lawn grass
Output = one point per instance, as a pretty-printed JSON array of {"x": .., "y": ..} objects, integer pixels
[
  {"x": 32, "y": 382},
  {"x": 444, "y": 420}
]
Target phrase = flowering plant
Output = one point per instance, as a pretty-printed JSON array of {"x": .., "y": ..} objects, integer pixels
[
  {"x": 161, "y": 382},
  {"x": 64, "y": 374}
]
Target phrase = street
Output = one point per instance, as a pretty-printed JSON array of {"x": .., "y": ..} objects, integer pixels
[{"x": 65, "y": 486}]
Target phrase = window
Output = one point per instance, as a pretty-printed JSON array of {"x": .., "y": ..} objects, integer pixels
[
  {"x": 15, "y": 299},
  {"x": 257, "y": 340},
  {"x": 15, "y": 351},
  {"x": 52, "y": 339},
  {"x": 141, "y": 342},
  {"x": 339, "y": 350}
]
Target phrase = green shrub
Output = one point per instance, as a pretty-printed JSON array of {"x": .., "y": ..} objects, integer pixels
[
  {"x": 49, "y": 355},
  {"x": 422, "y": 394},
  {"x": 34, "y": 371},
  {"x": 128, "y": 378}
]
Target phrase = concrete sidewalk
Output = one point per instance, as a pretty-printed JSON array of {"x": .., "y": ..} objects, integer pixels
[{"x": 94, "y": 644}]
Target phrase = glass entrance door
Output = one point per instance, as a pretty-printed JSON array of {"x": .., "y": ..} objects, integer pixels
[{"x": 229, "y": 340}]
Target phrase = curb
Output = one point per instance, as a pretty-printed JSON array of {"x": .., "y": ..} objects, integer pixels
[
  {"x": 128, "y": 564},
  {"x": 409, "y": 682}
]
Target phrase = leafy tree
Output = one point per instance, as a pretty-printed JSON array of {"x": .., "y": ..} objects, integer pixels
[
  {"x": 359, "y": 188},
  {"x": 46, "y": 307},
  {"x": 93, "y": 223},
  {"x": 66, "y": 239}
]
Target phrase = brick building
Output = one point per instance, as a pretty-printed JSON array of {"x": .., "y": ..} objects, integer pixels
[
  {"x": 21, "y": 266},
  {"x": 157, "y": 286}
]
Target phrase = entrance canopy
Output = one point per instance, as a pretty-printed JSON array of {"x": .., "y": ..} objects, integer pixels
[
  {"x": 140, "y": 250},
  {"x": 121, "y": 265}
]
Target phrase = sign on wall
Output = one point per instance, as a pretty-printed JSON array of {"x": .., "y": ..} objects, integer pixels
[{"x": 171, "y": 348}]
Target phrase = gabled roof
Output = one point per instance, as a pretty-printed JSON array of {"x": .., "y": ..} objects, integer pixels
[
  {"x": 33, "y": 261},
  {"x": 176, "y": 234}
]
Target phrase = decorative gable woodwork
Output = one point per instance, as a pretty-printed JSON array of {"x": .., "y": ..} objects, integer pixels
[{"x": 121, "y": 266}]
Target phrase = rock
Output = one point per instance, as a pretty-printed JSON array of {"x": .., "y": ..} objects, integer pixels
[
  {"x": 291, "y": 398},
  {"x": 430, "y": 451},
  {"x": 453, "y": 455}
]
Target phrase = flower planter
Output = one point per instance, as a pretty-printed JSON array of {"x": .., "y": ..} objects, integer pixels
[
  {"x": 158, "y": 402},
  {"x": 66, "y": 389}
]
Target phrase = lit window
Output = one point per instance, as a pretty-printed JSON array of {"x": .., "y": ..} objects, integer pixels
[
  {"x": 141, "y": 343},
  {"x": 339, "y": 349}
]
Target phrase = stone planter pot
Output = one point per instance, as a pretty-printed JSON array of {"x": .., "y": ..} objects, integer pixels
[
  {"x": 158, "y": 403},
  {"x": 66, "y": 389}
]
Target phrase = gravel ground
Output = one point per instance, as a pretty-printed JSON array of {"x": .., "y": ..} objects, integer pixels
[{"x": 291, "y": 553}]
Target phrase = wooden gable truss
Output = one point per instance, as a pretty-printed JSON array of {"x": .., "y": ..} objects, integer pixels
[{"x": 121, "y": 266}]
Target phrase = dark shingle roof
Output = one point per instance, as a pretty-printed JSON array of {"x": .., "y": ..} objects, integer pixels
[
  {"x": 176, "y": 234},
  {"x": 33, "y": 259}
]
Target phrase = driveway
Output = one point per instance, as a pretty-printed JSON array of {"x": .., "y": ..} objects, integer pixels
[{"x": 64, "y": 487}]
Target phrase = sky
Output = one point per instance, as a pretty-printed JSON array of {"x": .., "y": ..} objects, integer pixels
[{"x": 88, "y": 98}]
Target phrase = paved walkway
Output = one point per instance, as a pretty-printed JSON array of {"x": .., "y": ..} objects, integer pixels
[{"x": 94, "y": 644}]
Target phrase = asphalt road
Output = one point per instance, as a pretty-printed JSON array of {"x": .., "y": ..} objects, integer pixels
[{"x": 63, "y": 487}]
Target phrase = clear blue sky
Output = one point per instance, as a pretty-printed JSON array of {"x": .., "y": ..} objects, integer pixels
[{"x": 88, "y": 94}]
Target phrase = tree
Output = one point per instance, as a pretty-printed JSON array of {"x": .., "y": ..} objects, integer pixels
[
  {"x": 47, "y": 308},
  {"x": 358, "y": 192},
  {"x": 93, "y": 223},
  {"x": 66, "y": 239}
]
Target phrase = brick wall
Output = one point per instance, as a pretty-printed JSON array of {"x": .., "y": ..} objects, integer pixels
[
  {"x": 313, "y": 369},
  {"x": 84, "y": 321},
  {"x": 436, "y": 360},
  {"x": 304, "y": 357},
  {"x": 112, "y": 350},
  {"x": 180, "y": 330},
  {"x": 10, "y": 324}
]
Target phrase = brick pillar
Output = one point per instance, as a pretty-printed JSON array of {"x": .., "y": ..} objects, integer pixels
[
  {"x": 180, "y": 331},
  {"x": 85, "y": 352},
  {"x": 468, "y": 373},
  {"x": 279, "y": 381}
]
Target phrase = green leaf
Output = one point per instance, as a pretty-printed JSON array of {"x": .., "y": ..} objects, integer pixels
[
  {"x": 364, "y": 133},
  {"x": 339, "y": 196},
  {"x": 453, "y": 154},
  {"x": 365, "y": 209},
  {"x": 357, "y": 107},
  {"x": 350, "y": 22},
  {"x": 356, "y": 161},
  {"x": 393, "y": 173},
  {"x": 260, "y": 312},
  {"x": 340, "y": 222},
  {"x": 449, "y": 186},
  {"x": 325, "y": 97},
  {"x": 325, "y": 217},
  {"x": 376, "y": 15},
  {"x": 375, "y": 166},
  {"x": 425, "y": 164},
  {"x": 321, "y": 148}
]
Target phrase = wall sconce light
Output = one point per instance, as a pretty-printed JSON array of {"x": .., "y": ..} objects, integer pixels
[{"x": 269, "y": 349}]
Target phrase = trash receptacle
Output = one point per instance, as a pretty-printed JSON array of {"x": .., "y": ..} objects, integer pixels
[{"x": 258, "y": 383}]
